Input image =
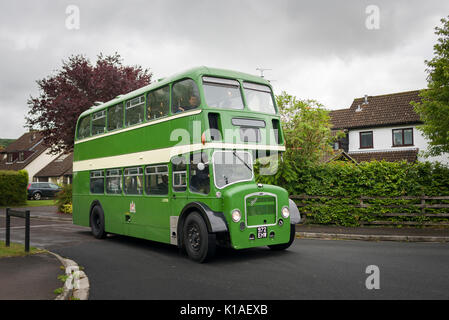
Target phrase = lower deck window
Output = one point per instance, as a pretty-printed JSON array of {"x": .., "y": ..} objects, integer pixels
[
  {"x": 133, "y": 180},
  {"x": 97, "y": 182},
  {"x": 156, "y": 180},
  {"x": 114, "y": 181}
]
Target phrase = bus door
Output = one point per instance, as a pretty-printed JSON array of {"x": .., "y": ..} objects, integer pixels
[
  {"x": 157, "y": 201},
  {"x": 178, "y": 196}
]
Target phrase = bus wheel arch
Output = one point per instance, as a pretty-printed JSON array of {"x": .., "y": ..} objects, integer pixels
[
  {"x": 215, "y": 221},
  {"x": 97, "y": 220}
]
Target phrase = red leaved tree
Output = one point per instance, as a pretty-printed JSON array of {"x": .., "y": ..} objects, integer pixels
[{"x": 74, "y": 89}]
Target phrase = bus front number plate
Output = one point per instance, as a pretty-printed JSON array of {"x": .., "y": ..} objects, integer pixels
[{"x": 261, "y": 232}]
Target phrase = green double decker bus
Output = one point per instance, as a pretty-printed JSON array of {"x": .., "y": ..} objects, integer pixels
[{"x": 173, "y": 162}]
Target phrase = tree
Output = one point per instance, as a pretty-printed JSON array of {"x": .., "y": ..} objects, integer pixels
[
  {"x": 434, "y": 106},
  {"x": 306, "y": 127},
  {"x": 74, "y": 89},
  {"x": 308, "y": 137}
]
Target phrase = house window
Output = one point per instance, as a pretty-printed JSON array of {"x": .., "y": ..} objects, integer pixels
[
  {"x": 21, "y": 156},
  {"x": 366, "y": 139},
  {"x": 402, "y": 137},
  {"x": 10, "y": 157}
]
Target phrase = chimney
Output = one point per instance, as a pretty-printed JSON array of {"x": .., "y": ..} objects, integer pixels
[{"x": 366, "y": 99}]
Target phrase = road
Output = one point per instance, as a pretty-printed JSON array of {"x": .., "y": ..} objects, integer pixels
[{"x": 126, "y": 268}]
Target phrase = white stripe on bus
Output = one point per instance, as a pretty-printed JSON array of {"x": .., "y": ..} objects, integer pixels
[{"x": 160, "y": 155}]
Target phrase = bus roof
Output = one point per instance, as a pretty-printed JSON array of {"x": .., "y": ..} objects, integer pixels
[{"x": 190, "y": 73}]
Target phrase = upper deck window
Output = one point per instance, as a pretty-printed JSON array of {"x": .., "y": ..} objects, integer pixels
[
  {"x": 222, "y": 93},
  {"x": 185, "y": 96},
  {"x": 259, "y": 98},
  {"x": 115, "y": 117},
  {"x": 84, "y": 127},
  {"x": 158, "y": 103},
  {"x": 98, "y": 122},
  {"x": 135, "y": 109}
]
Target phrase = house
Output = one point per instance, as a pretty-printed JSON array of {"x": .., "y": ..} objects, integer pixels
[
  {"x": 26, "y": 153},
  {"x": 58, "y": 171},
  {"x": 382, "y": 127}
]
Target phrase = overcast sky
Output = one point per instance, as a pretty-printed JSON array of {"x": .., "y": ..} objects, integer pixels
[{"x": 331, "y": 51}]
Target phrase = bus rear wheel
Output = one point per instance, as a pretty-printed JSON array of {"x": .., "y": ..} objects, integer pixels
[
  {"x": 97, "y": 223},
  {"x": 283, "y": 246},
  {"x": 198, "y": 242}
]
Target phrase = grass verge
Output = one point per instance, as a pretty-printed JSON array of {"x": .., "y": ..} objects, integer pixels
[
  {"x": 16, "y": 250},
  {"x": 34, "y": 203}
]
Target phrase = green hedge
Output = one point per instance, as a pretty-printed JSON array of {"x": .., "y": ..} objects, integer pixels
[
  {"x": 372, "y": 179},
  {"x": 13, "y": 187}
]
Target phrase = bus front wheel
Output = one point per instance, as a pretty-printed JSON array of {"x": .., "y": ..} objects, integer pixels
[
  {"x": 97, "y": 223},
  {"x": 198, "y": 242}
]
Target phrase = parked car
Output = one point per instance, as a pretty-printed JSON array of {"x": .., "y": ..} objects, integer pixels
[{"x": 39, "y": 190}]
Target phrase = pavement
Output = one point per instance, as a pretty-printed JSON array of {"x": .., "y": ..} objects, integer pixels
[
  {"x": 373, "y": 233},
  {"x": 32, "y": 277},
  {"x": 35, "y": 276}
]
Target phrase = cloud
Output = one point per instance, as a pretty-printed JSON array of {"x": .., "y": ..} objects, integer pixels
[{"x": 316, "y": 49}]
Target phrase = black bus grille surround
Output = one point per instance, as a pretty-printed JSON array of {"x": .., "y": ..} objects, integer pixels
[{"x": 260, "y": 210}]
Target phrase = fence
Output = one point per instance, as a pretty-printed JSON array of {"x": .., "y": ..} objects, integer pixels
[{"x": 405, "y": 210}]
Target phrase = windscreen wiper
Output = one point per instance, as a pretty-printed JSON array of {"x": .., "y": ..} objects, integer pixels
[{"x": 247, "y": 165}]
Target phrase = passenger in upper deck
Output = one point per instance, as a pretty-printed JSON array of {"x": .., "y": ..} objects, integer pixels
[{"x": 193, "y": 103}]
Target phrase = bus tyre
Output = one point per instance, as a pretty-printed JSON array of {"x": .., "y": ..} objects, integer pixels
[
  {"x": 198, "y": 242},
  {"x": 97, "y": 223},
  {"x": 284, "y": 246}
]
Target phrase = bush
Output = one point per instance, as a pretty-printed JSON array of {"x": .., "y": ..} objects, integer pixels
[
  {"x": 13, "y": 187},
  {"x": 64, "y": 199},
  {"x": 347, "y": 182},
  {"x": 66, "y": 208}
]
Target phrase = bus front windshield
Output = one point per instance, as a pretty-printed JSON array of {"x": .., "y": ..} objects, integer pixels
[
  {"x": 231, "y": 167},
  {"x": 258, "y": 98},
  {"x": 222, "y": 93}
]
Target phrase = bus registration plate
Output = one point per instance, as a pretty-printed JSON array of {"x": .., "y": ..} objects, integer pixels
[{"x": 261, "y": 232}]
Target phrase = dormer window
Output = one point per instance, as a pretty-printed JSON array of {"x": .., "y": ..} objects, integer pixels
[
  {"x": 10, "y": 157},
  {"x": 21, "y": 156}
]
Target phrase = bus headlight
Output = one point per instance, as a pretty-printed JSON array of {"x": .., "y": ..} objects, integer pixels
[
  {"x": 285, "y": 212},
  {"x": 236, "y": 215}
]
